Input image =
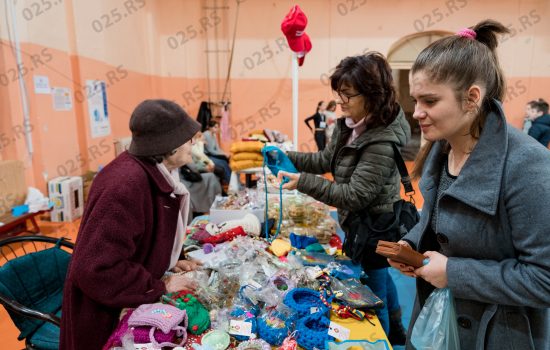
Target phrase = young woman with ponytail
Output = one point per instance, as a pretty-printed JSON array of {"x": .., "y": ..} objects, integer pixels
[{"x": 484, "y": 227}]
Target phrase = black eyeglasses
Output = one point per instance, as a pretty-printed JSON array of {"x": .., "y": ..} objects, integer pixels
[{"x": 343, "y": 97}]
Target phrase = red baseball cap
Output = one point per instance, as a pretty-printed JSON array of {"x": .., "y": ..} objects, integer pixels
[{"x": 293, "y": 27}]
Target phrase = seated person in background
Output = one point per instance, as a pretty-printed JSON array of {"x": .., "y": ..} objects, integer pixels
[
  {"x": 540, "y": 129},
  {"x": 213, "y": 150},
  {"x": 201, "y": 161},
  {"x": 203, "y": 188},
  {"x": 528, "y": 119}
]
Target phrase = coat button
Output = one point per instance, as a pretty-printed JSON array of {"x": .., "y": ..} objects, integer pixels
[
  {"x": 442, "y": 239},
  {"x": 464, "y": 322}
]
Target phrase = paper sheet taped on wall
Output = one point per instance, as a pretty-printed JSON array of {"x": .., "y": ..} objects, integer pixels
[
  {"x": 62, "y": 99},
  {"x": 96, "y": 93}
]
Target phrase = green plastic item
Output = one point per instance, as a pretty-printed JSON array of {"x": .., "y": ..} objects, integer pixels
[{"x": 315, "y": 247}]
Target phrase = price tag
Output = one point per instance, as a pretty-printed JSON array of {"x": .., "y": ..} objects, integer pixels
[
  {"x": 314, "y": 309},
  {"x": 240, "y": 328},
  {"x": 337, "y": 331}
]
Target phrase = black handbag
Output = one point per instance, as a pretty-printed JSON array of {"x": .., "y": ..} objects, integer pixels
[
  {"x": 190, "y": 175},
  {"x": 364, "y": 229}
]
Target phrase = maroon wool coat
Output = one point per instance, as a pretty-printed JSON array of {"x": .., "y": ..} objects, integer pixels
[{"x": 122, "y": 250}]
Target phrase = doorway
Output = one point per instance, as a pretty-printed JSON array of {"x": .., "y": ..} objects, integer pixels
[{"x": 401, "y": 57}]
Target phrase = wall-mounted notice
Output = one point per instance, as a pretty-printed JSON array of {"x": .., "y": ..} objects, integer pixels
[
  {"x": 41, "y": 84},
  {"x": 62, "y": 100},
  {"x": 97, "y": 108}
]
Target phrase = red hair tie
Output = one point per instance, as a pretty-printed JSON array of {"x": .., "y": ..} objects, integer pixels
[{"x": 467, "y": 33}]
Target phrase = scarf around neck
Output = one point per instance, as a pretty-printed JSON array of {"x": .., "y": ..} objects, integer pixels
[{"x": 179, "y": 189}]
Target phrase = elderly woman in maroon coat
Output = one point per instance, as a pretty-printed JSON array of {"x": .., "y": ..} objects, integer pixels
[{"x": 132, "y": 230}]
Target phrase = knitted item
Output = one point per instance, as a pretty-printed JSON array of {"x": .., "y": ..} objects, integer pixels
[
  {"x": 302, "y": 300},
  {"x": 274, "y": 327},
  {"x": 141, "y": 334},
  {"x": 300, "y": 242},
  {"x": 160, "y": 316},
  {"x": 197, "y": 315},
  {"x": 312, "y": 331}
]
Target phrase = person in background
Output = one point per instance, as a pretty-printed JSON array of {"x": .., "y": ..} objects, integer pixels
[
  {"x": 361, "y": 160},
  {"x": 132, "y": 230},
  {"x": 202, "y": 163},
  {"x": 320, "y": 125},
  {"x": 330, "y": 116},
  {"x": 213, "y": 150},
  {"x": 528, "y": 119},
  {"x": 540, "y": 128},
  {"x": 484, "y": 233}
]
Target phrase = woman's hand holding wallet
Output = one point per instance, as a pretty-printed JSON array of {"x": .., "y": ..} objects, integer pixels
[{"x": 403, "y": 267}]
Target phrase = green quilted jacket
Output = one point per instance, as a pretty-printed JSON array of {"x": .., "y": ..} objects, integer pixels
[{"x": 365, "y": 173}]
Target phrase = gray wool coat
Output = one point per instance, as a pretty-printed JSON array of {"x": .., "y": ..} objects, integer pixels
[
  {"x": 365, "y": 175},
  {"x": 493, "y": 226}
]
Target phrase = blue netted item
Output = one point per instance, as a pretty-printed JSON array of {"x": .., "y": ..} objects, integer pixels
[
  {"x": 302, "y": 300},
  {"x": 274, "y": 327},
  {"x": 312, "y": 331}
]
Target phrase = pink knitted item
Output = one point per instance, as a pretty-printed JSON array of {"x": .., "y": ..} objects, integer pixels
[
  {"x": 467, "y": 33},
  {"x": 160, "y": 316},
  {"x": 141, "y": 334}
]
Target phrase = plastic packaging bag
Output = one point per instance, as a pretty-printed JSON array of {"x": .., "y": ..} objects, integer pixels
[{"x": 436, "y": 326}]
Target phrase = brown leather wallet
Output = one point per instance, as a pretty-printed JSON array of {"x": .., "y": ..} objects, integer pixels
[{"x": 400, "y": 253}]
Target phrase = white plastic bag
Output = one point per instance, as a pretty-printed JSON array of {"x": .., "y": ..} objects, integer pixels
[{"x": 436, "y": 327}]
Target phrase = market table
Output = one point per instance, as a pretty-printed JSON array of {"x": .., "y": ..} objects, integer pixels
[{"x": 369, "y": 330}]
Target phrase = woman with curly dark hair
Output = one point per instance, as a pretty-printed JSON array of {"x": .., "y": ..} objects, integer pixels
[{"x": 360, "y": 157}]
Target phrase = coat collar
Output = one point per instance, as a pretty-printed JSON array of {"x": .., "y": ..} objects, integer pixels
[
  {"x": 479, "y": 182},
  {"x": 398, "y": 131},
  {"x": 153, "y": 173}
]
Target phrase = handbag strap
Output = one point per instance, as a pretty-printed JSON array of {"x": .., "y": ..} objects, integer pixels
[{"x": 402, "y": 168}]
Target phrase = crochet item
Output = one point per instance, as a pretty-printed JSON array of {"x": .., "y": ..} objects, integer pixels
[
  {"x": 312, "y": 331},
  {"x": 160, "y": 316},
  {"x": 216, "y": 339},
  {"x": 300, "y": 242},
  {"x": 141, "y": 334},
  {"x": 254, "y": 344},
  {"x": 305, "y": 301},
  {"x": 197, "y": 315},
  {"x": 274, "y": 327}
]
